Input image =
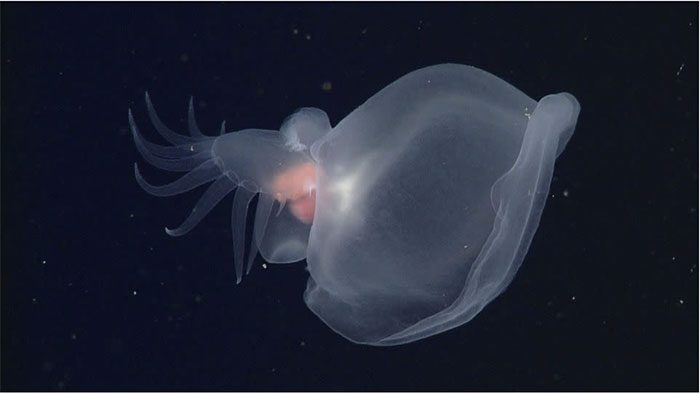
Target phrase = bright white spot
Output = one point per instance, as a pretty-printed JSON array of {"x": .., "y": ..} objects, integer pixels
[
  {"x": 295, "y": 31},
  {"x": 131, "y": 215},
  {"x": 191, "y": 147},
  {"x": 681, "y": 301},
  {"x": 308, "y": 37},
  {"x": 344, "y": 188},
  {"x": 573, "y": 298},
  {"x": 565, "y": 193},
  {"x": 134, "y": 293},
  {"x": 673, "y": 259},
  {"x": 264, "y": 265}
]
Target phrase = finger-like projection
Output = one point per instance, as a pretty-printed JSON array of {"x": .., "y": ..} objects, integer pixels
[{"x": 412, "y": 213}]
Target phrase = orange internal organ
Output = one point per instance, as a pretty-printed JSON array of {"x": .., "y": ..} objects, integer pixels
[{"x": 297, "y": 186}]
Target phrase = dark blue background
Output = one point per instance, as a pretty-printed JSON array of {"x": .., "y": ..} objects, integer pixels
[{"x": 607, "y": 297}]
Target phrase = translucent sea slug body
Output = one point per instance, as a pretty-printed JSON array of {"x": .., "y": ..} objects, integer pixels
[{"x": 413, "y": 212}]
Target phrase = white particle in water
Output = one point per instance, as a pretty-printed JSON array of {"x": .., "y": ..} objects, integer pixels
[{"x": 680, "y": 69}]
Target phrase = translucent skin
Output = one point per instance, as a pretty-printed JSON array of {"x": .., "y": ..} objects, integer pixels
[
  {"x": 297, "y": 187},
  {"x": 413, "y": 213}
]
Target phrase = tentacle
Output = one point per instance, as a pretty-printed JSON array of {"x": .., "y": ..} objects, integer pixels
[
  {"x": 223, "y": 128},
  {"x": 167, "y": 151},
  {"x": 238, "y": 225},
  {"x": 204, "y": 173},
  {"x": 175, "y": 165},
  {"x": 192, "y": 122},
  {"x": 262, "y": 215},
  {"x": 167, "y": 133},
  {"x": 281, "y": 207},
  {"x": 215, "y": 193}
]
